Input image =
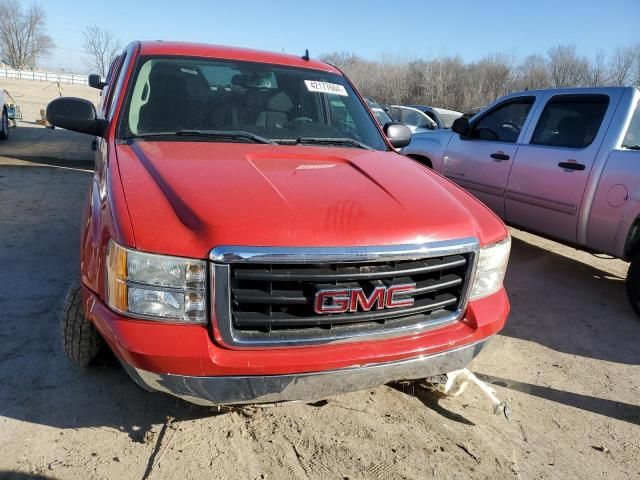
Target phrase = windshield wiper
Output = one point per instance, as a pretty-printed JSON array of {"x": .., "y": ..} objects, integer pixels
[
  {"x": 326, "y": 141},
  {"x": 632, "y": 147},
  {"x": 222, "y": 134}
]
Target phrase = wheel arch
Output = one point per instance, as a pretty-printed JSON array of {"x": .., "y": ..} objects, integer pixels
[{"x": 422, "y": 159}]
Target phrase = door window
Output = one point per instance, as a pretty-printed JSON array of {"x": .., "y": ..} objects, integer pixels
[
  {"x": 504, "y": 123},
  {"x": 632, "y": 137},
  {"x": 570, "y": 121},
  {"x": 412, "y": 117},
  {"x": 111, "y": 80}
]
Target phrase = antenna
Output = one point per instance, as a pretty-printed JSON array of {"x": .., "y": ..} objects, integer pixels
[{"x": 305, "y": 57}]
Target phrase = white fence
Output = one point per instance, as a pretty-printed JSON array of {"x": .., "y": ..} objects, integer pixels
[{"x": 71, "y": 78}]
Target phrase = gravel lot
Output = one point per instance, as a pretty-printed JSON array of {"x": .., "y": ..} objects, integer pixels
[{"x": 568, "y": 363}]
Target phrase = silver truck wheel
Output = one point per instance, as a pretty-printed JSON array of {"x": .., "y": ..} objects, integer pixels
[{"x": 80, "y": 339}]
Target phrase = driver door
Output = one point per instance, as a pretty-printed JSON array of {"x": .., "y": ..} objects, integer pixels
[{"x": 481, "y": 161}]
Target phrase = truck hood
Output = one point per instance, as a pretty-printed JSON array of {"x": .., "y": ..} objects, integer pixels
[{"x": 184, "y": 198}]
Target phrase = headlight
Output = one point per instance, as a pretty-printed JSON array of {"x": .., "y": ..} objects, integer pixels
[
  {"x": 156, "y": 287},
  {"x": 492, "y": 265}
]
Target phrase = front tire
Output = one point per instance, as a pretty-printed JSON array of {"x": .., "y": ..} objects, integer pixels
[
  {"x": 80, "y": 339},
  {"x": 4, "y": 125}
]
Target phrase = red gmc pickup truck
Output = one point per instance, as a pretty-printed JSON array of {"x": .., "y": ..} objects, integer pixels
[{"x": 251, "y": 235}]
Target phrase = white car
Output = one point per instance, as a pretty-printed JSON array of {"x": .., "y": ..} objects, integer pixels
[
  {"x": 443, "y": 117},
  {"x": 420, "y": 118}
]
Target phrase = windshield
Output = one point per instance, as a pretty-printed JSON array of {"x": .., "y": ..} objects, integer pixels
[
  {"x": 247, "y": 102},
  {"x": 381, "y": 116},
  {"x": 632, "y": 137},
  {"x": 448, "y": 119}
]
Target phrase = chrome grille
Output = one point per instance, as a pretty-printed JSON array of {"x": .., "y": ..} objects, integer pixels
[{"x": 265, "y": 297}]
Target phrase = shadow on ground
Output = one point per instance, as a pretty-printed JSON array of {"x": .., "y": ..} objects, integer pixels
[
  {"x": 602, "y": 406},
  {"x": 569, "y": 306},
  {"x": 34, "y": 143}
]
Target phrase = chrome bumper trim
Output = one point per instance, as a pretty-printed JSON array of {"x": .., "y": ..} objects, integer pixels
[{"x": 302, "y": 386}]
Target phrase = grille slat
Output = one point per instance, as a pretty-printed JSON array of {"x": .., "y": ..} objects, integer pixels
[
  {"x": 283, "y": 297},
  {"x": 256, "y": 319},
  {"x": 349, "y": 272}
]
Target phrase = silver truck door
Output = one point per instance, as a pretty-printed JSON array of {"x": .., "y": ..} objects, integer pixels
[
  {"x": 480, "y": 162},
  {"x": 551, "y": 169}
]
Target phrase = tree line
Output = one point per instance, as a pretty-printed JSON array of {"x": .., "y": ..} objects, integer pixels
[{"x": 450, "y": 82}]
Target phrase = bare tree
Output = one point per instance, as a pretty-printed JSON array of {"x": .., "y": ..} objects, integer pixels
[
  {"x": 533, "y": 73},
  {"x": 566, "y": 67},
  {"x": 635, "y": 72},
  {"x": 101, "y": 48},
  {"x": 23, "y": 36},
  {"x": 597, "y": 73},
  {"x": 621, "y": 65},
  {"x": 492, "y": 77}
]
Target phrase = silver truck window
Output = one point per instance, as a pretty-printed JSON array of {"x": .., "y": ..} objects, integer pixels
[
  {"x": 632, "y": 137},
  {"x": 504, "y": 123},
  {"x": 570, "y": 121}
]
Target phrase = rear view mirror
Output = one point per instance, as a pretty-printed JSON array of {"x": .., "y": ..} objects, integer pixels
[
  {"x": 398, "y": 134},
  {"x": 461, "y": 126},
  {"x": 95, "y": 81},
  {"x": 75, "y": 114}
]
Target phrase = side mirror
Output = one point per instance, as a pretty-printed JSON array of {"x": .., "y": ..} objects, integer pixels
[
  {"x": 461, "y": 126},
  {"x": 398, "y": 134},
  {"x": 95, "y": 81},
  {"x": 75, "y": 114}
]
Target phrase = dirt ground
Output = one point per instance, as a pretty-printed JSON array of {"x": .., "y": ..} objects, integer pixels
[
  {"x": 568, "y": 362},
  {"x": 32, "y": 96}
]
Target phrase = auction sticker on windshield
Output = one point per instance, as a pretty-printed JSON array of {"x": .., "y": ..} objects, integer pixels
[{"x": 325, "y": 87}]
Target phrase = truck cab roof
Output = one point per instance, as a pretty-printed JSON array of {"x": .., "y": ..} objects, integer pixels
[{"x": 201, "y": 50}]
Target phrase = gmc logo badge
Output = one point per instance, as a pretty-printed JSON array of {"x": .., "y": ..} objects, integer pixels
[{"x": 343, "y": 300}]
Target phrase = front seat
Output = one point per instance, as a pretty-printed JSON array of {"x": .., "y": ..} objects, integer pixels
[
  {"x": 169, "y": 100},
  {"x": 276, "y": 114}
]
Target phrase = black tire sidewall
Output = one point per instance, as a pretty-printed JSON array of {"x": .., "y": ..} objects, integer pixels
[
  {"x": 632, "y": 284},
  {"x": 4, "y": 128}
]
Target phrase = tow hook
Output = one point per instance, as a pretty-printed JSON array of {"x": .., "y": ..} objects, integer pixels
[{"x": 454, "y": 384}]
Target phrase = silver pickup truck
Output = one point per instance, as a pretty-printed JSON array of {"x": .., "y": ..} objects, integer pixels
[{"x": 564, "y": 163}]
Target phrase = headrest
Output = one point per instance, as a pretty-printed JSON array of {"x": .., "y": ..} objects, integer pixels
[{"x": 280, "y": 102}]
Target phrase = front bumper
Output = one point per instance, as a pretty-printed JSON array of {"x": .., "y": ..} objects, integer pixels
[{"x": 234, "y": 390}]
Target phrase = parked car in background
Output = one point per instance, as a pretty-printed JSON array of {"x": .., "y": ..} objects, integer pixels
[
  {"x": 382, "y": 117},
  {"x": 472, "y": 111},
  {"x": 417, "y": 121},
  {"x": 444, "y": 118},
  {"x": 564, "y": 163},
  {"x": 251, "y": 236}
]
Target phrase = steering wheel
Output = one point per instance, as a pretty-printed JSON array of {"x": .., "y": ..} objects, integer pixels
[
  {"x": 297, "y": 120},
  {"x": 512, "y": 126}
]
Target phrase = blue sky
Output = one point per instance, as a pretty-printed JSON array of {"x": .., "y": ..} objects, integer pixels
[{"x": 417, "y": 28}]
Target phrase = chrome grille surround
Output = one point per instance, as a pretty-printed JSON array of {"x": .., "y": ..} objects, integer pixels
[{"x": 224, "y": 258}]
